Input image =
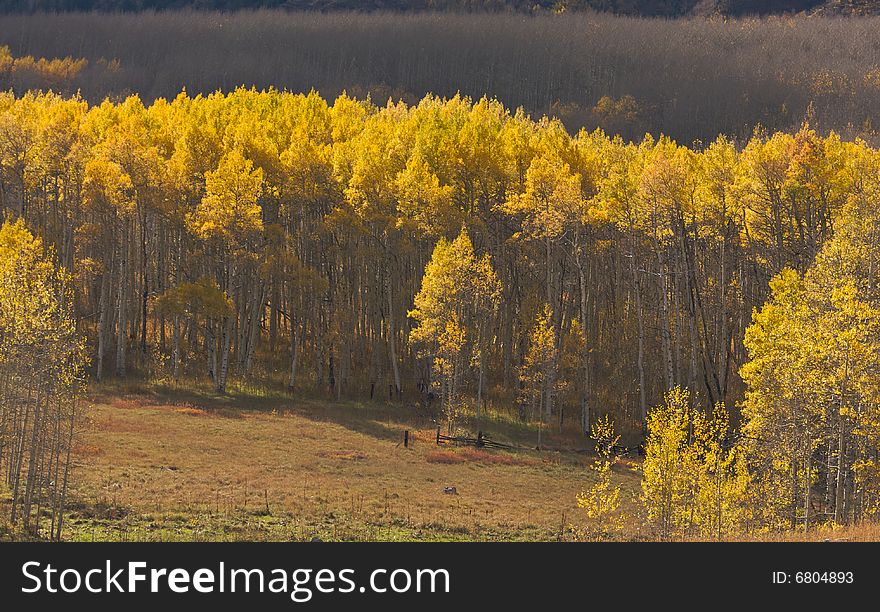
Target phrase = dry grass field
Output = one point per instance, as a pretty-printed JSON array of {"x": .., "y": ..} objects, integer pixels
[
  {"x": 160, "y": 464},
  {"x": 183, "y": 464}
]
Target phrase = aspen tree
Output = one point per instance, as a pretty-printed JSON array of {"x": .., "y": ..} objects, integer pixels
[
  {"x": 229, "y": 216},
  {"x": 551, "y": 197},
  {"x": 670, "y": 467},
  {"x": 458, "y": 293},
  {"x": 41, "y": 367},
  {"x": 538, "y": 368},
  {"x": 601, "y": 502}
]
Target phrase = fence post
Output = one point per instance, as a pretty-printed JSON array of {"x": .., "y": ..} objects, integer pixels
[
  {"x": 406, "y": 438},
  {"x": 438, "y": 436}
]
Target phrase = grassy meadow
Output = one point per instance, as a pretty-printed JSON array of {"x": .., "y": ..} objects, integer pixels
[
  {"x": 167, "y": 464},
  {"x": 159, "y": 463}
]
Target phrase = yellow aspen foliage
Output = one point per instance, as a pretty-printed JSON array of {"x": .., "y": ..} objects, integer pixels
[
  {"x": 42, "y": 358},
  {"x": 601, "y": 502},
  {"x": 695, "y": 477},
  {"x": 458, "y": 292},
  {"x": 811, "y": 379},
  {"x": 671, "y": 467},
  {"x": 37, "y": 326},
  {"x": 230, "y": 208},
  {"x": 423, "y": 199},
  {"x": 723, "y": 507},
  {"x": 540, "y": 360},
  {"x": 6, "y": 59},
  {"x": 107, "y": 186},
  {"x": 551, "y": 198},
  {"x": 202, "y": 298},
  {"x": 275, "y": 235}
]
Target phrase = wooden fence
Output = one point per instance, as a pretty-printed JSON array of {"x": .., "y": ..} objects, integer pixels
[{"x": 481, "y": 441}]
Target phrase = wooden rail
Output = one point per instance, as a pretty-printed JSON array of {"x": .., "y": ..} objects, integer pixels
[{"x": 481, "y": 441}]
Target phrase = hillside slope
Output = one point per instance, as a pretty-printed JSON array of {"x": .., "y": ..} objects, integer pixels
[{"x": 648, "y": 8}]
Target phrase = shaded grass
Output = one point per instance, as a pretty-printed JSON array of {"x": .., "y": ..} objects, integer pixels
[
  {"x": 466, "y": 455},
  {"x": 371, "y": 417}
]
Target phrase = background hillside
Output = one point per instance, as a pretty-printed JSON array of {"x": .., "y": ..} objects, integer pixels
[
  {"x": 687, "y": 78},
  {"x": 652, "y": 8}
]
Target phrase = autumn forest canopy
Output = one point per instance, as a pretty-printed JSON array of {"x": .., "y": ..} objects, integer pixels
[
  {"x": 655, "y": 240},
  {"x": 456, "y": 254}
]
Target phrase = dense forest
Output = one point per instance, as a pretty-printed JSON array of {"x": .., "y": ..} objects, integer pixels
[
  {"x": 460, "y": 255},
  {"x": 460, "y": 215},
  {"x": 689, "y": 79}
]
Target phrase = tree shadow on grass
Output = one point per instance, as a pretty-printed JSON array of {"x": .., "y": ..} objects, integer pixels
[{"x": 379, "y": 420}]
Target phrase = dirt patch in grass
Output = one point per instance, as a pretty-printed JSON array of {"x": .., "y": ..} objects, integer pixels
[
  {"x": 191, "y": 411},
  {"x": 445, "y": 456},
  {"x": 128, "y": 403},
  {"x": 186, "y": 407},
  {"x": 345, "y": 455},
  {"x": 111, "y": 424},
  {"x": 87, "y": 450},
  {"x": 423, "y": 435},
  {"x": 227, "y": 413}
]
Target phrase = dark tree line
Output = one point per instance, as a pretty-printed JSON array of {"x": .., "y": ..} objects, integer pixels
[
  {"x": 690, "y": 79},
  {"x": 649, "y": 8}
]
